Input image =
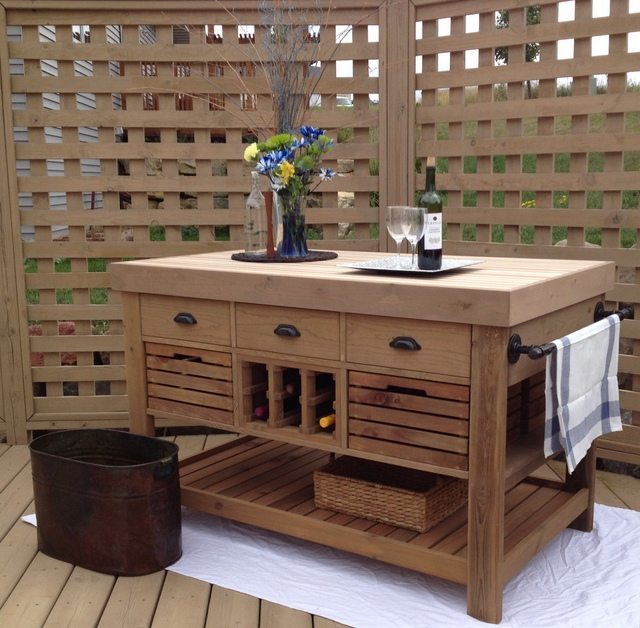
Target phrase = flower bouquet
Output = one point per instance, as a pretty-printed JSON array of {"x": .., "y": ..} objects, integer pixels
[{"x": 292, "y": 163}]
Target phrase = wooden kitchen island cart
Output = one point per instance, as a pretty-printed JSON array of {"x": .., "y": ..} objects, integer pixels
[{"x": 414, "y": 367}]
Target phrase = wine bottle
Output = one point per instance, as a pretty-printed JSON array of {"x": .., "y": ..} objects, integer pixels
[
  {"x": 430, "y": 245},
  {"x": 261, "y": 412},
  {"x": 327, "y": 421}
]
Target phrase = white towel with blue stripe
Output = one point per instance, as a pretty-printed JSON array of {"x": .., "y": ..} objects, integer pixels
[{"x": 582, "y": 396}]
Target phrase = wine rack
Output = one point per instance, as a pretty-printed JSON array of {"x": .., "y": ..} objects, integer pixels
[{"x": 277, "y": 396}]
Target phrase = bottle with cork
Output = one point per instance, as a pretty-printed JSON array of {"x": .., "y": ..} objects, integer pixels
[{"x": 430, "y": 245}]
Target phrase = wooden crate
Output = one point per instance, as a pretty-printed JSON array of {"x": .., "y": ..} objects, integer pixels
[
  {"x": 526, "y": 407},
  {"x": 409, "y": 419},
  {"x": 189, "y": 383}
]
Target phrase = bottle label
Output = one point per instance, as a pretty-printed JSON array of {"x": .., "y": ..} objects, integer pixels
[{"x": 433, "y": 232}]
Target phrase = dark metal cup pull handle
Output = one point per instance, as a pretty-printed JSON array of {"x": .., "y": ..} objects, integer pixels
[
  {"x": 186, "y": 318},
  {"x": 405, "y": 342},
  {"x": 284, "y": 329}
]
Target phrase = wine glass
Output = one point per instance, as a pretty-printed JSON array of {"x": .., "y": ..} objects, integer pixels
[
  {"x": 413, "y": 229},
  {"x": 395, "y": 228}
]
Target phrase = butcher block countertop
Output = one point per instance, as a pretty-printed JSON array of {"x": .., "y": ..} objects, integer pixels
[{"x": 501, "y": 292}]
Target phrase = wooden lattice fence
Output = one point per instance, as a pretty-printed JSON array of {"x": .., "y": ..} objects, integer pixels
[{"x": 124, "y": 125}]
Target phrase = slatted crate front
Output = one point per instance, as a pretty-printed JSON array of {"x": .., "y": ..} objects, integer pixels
[
  {"x": 192, "y": 384},
  {"x": 526, "y": 407},
  {"x": 410, "y": 419}
]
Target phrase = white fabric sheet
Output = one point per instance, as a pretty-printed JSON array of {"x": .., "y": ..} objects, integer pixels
[{"x": 580, "y": 580}]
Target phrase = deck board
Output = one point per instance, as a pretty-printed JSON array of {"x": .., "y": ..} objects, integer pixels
[
  {"x": 82, "y": 599},
  {"x": 15, "y": 498},
  {"x": 276, "y": 616},
  {"x": 133, "y": 601},
  {"x": 183, "y": 601},
  {"x": 624, "y": 487},
  {"x": 36, "y": 590},
  {"x": 14, "y": 460},
  {"x": 18, "y": 548},
  {"x": 232, "y": 608}
]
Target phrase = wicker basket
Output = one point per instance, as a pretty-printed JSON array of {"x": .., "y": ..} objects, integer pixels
[{"x": 401, "y": 497}]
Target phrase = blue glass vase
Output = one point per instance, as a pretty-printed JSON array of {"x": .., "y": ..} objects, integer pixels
[{"x": 289, "y": 225}]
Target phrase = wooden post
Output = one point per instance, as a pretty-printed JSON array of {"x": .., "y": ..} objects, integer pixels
[
  {"x": 136, "y": 369},
  {"x": 397, "y": 110},
  {"x": 487, "y": 436},
  {"x": 16, "y": 395},
  {"x": 584, "y": 476}
]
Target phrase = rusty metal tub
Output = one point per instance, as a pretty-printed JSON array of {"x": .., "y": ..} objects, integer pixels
[{"x": 107, "y": 500}]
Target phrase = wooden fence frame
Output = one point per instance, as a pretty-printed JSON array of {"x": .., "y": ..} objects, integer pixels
[{"x": 470, "y": 137}]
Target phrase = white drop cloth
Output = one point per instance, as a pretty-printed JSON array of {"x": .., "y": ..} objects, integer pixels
[{"x": 580, "y": 580}]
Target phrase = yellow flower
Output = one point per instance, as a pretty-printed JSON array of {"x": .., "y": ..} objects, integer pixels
[
  {"x": 286, "y": 171},
  {"x": 250, "y": 152}
]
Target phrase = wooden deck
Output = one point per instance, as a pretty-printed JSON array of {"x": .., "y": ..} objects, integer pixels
[{"x": 36, "y": 590}]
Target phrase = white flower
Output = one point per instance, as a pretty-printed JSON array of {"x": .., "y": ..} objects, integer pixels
[{"x": 326, "y": 174}]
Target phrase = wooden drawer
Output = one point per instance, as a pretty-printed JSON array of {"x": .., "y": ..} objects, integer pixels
[
  {"x": 442, "y": 348},
  {"x": 205, "y": 321},
  {"x": 319, "y": 332},
  {"x": 187, "y": 383},
  {"x": 409, "y": 419}
]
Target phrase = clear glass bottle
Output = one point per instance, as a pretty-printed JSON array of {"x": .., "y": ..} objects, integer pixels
[
  {"x": 430, "y": 245},
  {"x": 255, "y": 219}
]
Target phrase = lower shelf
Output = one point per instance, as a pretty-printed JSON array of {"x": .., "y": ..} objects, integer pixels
[{"x": 269, "y": 484}]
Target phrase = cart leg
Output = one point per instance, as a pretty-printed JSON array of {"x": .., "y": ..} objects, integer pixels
[
  {"x": 487, "y": 453},
  {"x": 140, "y": 422},
  {"x": 584, "y": 476}
]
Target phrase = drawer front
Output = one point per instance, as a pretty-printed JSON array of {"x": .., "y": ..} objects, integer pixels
[
  {"x": 178, "y": 318},
  {"x": 409, "y": 419},
  {"x": 290, "y": 331},
  {"x": 427, "y": 346},
  {"x": 190, "y": 384}
]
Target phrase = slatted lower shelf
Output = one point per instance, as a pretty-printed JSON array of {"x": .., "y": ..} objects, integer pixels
[{"x": 270, "y": 485}]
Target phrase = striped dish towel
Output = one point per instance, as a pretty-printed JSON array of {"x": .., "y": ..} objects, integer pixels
[{"x": 582, "y": 398}]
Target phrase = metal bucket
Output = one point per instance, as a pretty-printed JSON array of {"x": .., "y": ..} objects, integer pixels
[{"x": 107, "y": 500}]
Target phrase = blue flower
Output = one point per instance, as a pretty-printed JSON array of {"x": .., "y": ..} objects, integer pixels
[
  {"x": 311, "y": 132},
  {"x": 265, "y": 164},
  {"x": 326, "y": 174}
]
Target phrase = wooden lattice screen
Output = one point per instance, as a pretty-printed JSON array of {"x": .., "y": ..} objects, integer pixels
[
  {"x": 536, "y": 127},
  {"x": 125, "y": 125},
  {"x": 129, "y": 129}
]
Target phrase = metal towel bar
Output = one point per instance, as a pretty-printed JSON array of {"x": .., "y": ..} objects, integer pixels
[{"x": 515, "y": 348}]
